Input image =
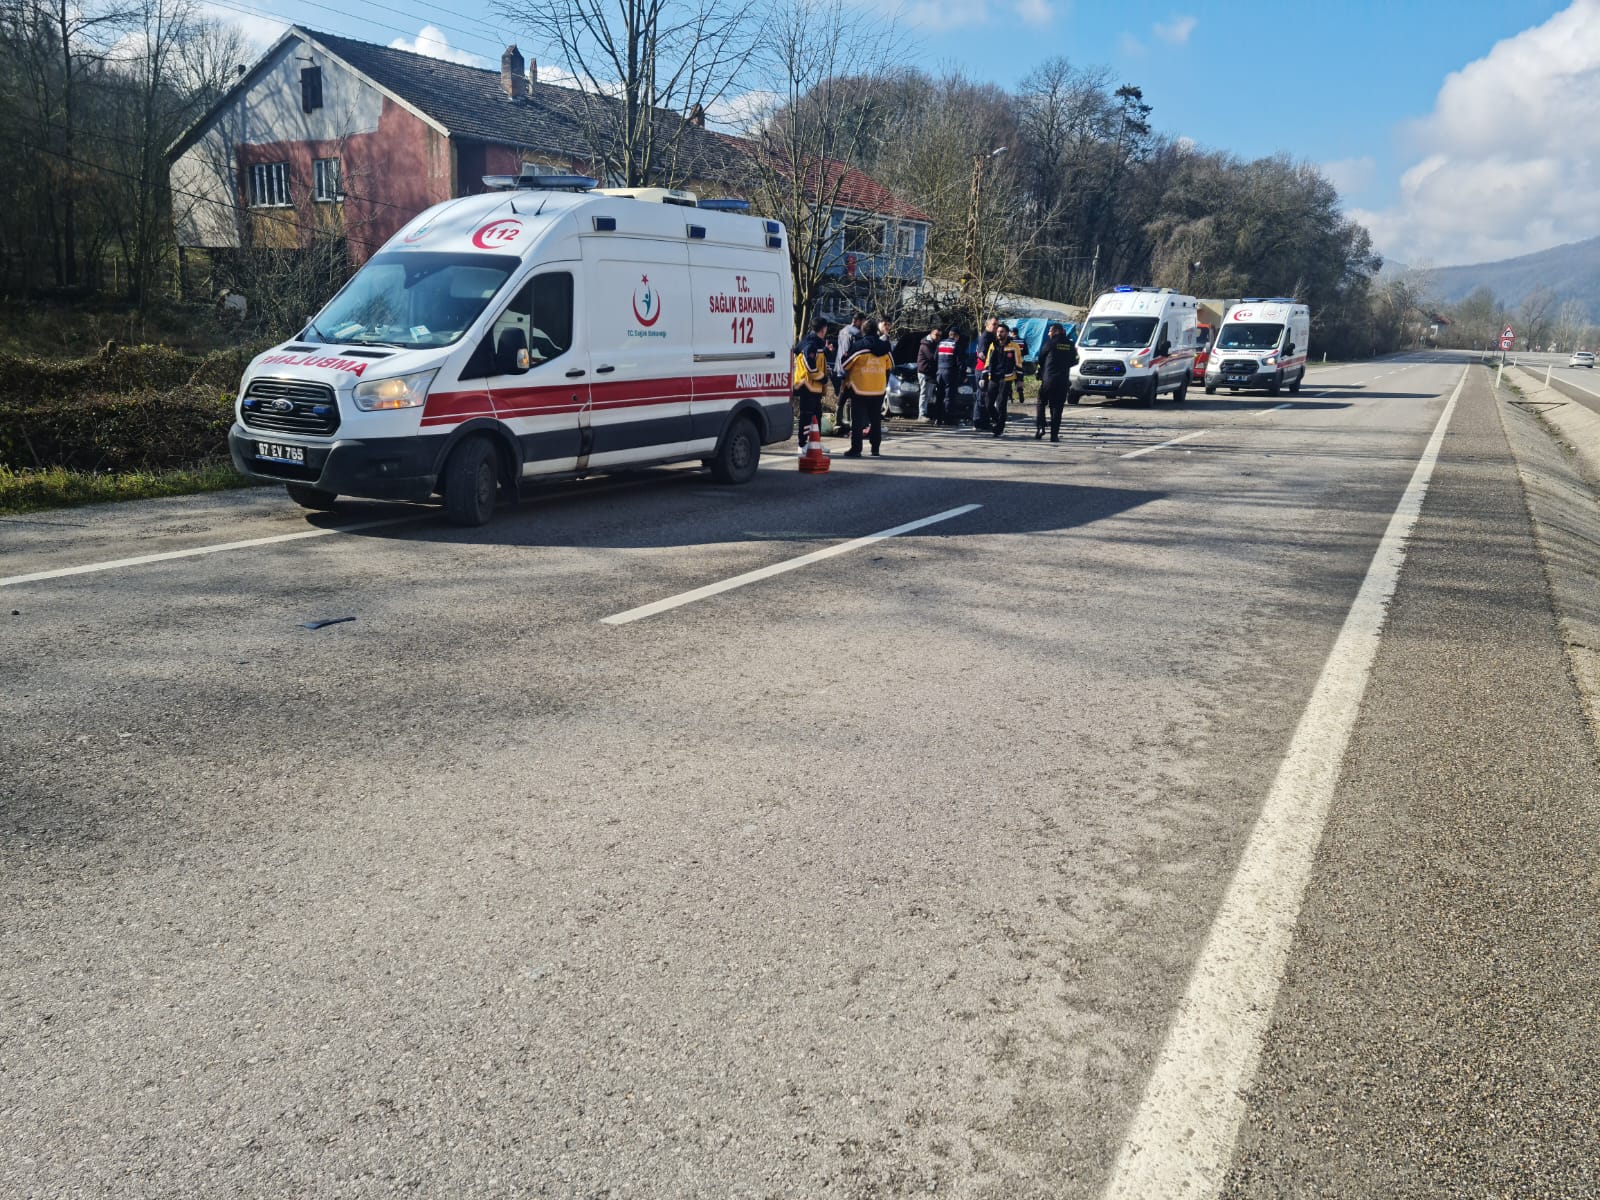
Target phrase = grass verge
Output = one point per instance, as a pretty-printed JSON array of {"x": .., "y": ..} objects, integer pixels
[{"x": 31, "y": 491}]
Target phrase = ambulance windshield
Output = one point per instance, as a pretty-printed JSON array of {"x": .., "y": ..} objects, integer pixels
[
  {"x": 413, "y": 300},
  {"x": 1116, "y": 333},
  {"x": 1244, "y": 336}
]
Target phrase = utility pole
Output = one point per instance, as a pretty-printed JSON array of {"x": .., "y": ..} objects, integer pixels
[
  {"x": 974, "y": 212},
  {"x": 1094, "y": 272}
]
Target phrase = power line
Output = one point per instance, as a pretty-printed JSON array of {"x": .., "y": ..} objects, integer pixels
[{"x": 250, "y": 10}]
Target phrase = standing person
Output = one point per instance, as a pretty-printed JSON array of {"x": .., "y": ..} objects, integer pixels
[
  {"x": 811, "y": 377},
  {"x": 848, "y": 336},
  {"x": 997, "y": 370},
  {"x": 866, "y": 377},
  {"x": 1019, "y": 352},
  {"x": 927, "y": 372},
  {"x": 1057, "y": 356},
  {"x": 948, "y": 376}
]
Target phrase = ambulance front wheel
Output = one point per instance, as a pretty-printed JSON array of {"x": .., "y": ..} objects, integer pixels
[
  {"x": 1074, "y": 397},
  {"x": 471, "y": 483},
  {"x": 310, "y": 497},
  {"x": 739, "y": 455}
]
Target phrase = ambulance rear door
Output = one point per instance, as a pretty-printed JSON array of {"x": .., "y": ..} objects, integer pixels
[{"x": 741, "y": 334}]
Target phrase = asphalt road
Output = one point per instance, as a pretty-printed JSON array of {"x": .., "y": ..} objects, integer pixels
[{"x": 881, "y": 876}]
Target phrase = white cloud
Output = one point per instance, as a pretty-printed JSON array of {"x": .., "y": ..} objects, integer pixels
[
  {"x": 736, "y": 114},
  {"x": 1351, "y": 176},
  {"x": 1131, "y": 46},
  {"x": 1509, "y": 160},
  {"x": 430, "y": 40},
  {"x": 1176, "y": 31},
  {"x": 258, "y": 31},
  {"x": 1035, "y": 12}
]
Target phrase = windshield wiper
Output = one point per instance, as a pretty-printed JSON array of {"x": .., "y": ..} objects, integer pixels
[
  {"x": 321, "y": 337},
  {"x": 380, "y": 345}
]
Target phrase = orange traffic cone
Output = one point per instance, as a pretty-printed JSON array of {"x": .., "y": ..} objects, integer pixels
[{"x": 814, "y": 458}]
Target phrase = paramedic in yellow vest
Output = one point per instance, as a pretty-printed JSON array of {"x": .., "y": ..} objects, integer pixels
[
  {"x": 1019, "y": 350},
  {"x": 811, "y": 377},
  {"x": 866, "y": 378}
]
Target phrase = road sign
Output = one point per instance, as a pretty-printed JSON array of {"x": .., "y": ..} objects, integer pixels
[
  {"x": 1508, "y": 332},
  {"x": 1505, "y": 343}
]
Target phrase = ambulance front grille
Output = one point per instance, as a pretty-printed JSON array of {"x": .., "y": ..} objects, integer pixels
[
  {"x": 1102, "y": 366},
  {"x": 290, "y": 406}
]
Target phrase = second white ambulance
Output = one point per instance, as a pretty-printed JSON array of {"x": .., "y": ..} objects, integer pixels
[
  {"x": 1137, "y": 342},
  {"x": 1262, "y": 343},
  {"x": 543, "y": 330}
]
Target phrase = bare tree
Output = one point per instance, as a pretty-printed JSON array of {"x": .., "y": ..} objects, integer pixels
[
  {"x": 641, "y": 67},
  {"x": 814, "y": 124}
]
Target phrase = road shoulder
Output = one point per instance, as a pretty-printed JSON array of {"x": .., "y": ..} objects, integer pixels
[{"x": 1431, "y": 1035}]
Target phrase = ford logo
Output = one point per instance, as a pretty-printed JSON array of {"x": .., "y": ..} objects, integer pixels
[{"x": 283, "y": 406}]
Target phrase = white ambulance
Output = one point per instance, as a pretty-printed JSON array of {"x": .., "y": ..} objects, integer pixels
[
  {"x": 1262, "y": 343},
  {"x": 545, "y": 329},
  {"x": 1138, "y": 342}
]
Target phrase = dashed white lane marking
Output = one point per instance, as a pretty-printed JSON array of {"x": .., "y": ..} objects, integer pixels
[
  {"x": 1275, "y": 408},
  {"x": 790, "y": 564},
  {"x": 195, "y": 551},
  {"x": 1169, "y": 442},
  {"x": 1181, "y": 1140}
]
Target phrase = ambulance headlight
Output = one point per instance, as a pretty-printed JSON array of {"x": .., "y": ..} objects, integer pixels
[
  {"x": 1139, "y": 360},
  {"x": 1270, "y": 360},
  {"x": 398, "y": 391}
]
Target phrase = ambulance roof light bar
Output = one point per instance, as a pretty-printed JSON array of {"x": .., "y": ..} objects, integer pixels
[
  {"x": 547, "y": 183},
  {"x": 726, "y": 204},
  {"x": 1269, "y": 300},
  {"x": 1128, "y": 287}
]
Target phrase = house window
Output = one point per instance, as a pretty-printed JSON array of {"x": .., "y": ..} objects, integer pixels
[
  {"x": 325, "y": 172},
  {"x": 864, "y": 237},
  {"x": 905, "y": 241},
  {"x": 269, "y": 185},
  {"x": 311, "y": 88}
]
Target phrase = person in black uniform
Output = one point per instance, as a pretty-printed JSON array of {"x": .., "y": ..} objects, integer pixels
[
  {"x": 1057, "y": 357},
  {"x": 998, "y": 370}
]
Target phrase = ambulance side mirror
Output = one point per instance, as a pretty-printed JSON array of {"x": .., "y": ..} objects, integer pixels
[
  {"x": 1163, "y": 349},
  {"x": 1288, "y": 347}
]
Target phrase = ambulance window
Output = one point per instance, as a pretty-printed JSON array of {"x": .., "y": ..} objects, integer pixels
[
  {"x": 539, "y": 321},
  {"x": 551, "y": 332}
]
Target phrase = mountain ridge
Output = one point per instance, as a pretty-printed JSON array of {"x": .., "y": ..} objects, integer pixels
[{"x": 1571, "y": 271}]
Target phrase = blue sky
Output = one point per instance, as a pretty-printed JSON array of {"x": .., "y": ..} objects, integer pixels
[{"x": 1457, "y": 130}]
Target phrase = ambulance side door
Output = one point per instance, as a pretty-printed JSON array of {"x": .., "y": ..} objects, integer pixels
[
  {"x": 536, "y": 369},
  {"x": 741, "y": 337},
  {"x": 639, "y": 328}
]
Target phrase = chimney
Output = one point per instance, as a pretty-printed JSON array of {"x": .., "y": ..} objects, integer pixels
[
  {"x": 697, "y": 116},
  {"x": 533, "y": 73},
  {"x": 511, "y": 77}
]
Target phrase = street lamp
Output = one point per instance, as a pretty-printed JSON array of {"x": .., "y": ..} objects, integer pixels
[
  {"x": 1188, "y": 281},
  {"x": 979, "y": 162}
]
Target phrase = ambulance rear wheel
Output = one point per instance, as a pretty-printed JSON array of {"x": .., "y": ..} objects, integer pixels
[
  {"x": 1211, "y": 389},
  {"x": 471, "y": 483},
  {"x": 1074, "y": 397},
  {"x": 739, "y": 455},
  {"x": 310, "y": 497}
]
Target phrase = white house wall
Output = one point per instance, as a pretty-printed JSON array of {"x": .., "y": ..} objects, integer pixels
[{"x": 204, "y": 177}]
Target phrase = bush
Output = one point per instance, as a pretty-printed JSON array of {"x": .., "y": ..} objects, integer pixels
[{"x": 124, "y": 409}]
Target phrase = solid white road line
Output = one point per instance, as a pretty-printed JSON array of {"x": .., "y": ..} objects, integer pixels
[
  {"x": 738, "y": 581},
  {"x": 1163, "y": 445},
  {"x": 1278, "y": 407},
  {"x": 1181, "y": 1139},
  {"x": 196, "y": 551}
]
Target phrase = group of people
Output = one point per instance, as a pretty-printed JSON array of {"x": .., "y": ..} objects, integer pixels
[{"x": 864, "y": 362}]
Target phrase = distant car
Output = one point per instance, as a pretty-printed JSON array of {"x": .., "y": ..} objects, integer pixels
[
  {"x": 1203, "y": 334},
  {"x": 904, "y": 394},
  {"x": 1582, "y": 358}
]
